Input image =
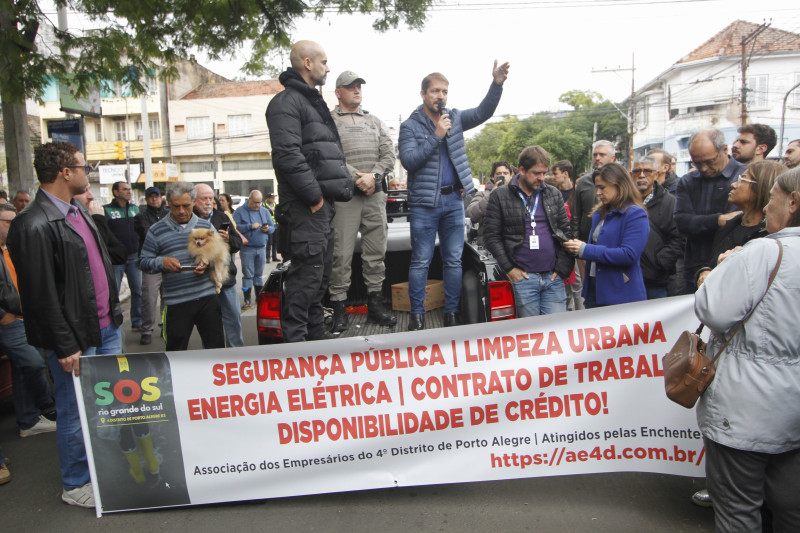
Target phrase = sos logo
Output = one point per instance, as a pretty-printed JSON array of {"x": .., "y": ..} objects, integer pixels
[{"x": 127, "y": 391}]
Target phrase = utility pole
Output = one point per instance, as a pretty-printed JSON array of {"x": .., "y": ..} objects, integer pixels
[
  {"x": 148, "y": 160},
  {"x": 747, "y": 39},
  {"x": 632, "y": 70},
  {"x": 214, "y": 151}
]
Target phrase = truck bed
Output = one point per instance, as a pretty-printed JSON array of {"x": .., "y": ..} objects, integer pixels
[{"x": 358, "y": 325}]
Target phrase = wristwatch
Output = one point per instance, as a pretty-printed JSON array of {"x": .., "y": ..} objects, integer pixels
[{"x": 378, "y": 177}]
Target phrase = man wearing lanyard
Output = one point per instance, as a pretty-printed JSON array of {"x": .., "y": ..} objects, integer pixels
[{"x": 524, "y": 226}]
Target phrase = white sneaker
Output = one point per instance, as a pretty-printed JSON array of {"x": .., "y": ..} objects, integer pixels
[
  {"x": 80, "y": 497},
  {"x": 42, "y": 426}
]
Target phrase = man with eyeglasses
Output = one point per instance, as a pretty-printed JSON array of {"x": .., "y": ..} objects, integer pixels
[
  {"x": 702, "y": 200},
  {"x": 664, "y": 243},
  {"x": 524, "y": 226},
  {"x": 68, "y": 293}
]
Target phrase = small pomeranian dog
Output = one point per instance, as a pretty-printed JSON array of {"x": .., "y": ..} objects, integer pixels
[{"x": 206, "y": 246}]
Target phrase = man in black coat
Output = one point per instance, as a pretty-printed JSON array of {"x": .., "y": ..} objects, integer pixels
[
  {"x": 524, "y": 226},
  {"x": 69, "y": 295},
  {"x": 664, "y": 243},
  {"x": 154, "y": 211},
  {"x": 310, "y": 166},
  {"x": 229, "y": 295}
]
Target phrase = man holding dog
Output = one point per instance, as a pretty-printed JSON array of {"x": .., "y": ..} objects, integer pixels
[
  {"x": 190, "y": 297},
  {"x": 228, "y": 296}
]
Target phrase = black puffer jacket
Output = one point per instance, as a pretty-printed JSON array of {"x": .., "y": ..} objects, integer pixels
[
  {"x": 145, "y": 219},
  {"x": 664, "y": 243},
  {"x": 306, "y": 151},
  {"x": 55, "y": 280},
  {"x": 505, "y": 220}
]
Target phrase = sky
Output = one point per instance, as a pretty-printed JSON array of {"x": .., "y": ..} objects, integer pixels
[{"x": 553, "y": 47}]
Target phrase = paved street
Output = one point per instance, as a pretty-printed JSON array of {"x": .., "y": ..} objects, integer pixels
[{"x": 624, "y": 502}]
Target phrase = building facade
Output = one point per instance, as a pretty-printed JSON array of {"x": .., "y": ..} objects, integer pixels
[{"x": 704, "y": 88}]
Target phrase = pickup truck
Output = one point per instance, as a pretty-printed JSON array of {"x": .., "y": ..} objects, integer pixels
[{"x": 486, "y": 293}]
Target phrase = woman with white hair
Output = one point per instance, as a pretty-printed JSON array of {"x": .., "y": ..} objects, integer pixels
[{"x": 750, "y": 414}]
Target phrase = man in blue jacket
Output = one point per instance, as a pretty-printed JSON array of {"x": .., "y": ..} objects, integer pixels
[
  {"x": 432, "y": 150},
  {"x": 255, "y": 223}
]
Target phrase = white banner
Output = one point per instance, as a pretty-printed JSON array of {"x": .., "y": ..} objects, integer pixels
[
  {"x": 572, "y": 393},
  {"x": 110, "y": 174}
]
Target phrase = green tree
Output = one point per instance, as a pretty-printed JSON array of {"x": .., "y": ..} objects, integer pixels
[
  {"x": 483, "y": 148},
  {"x": 563, "y": 144},
  {"x": 580, "y": 100},
  {"x": 566, "y": 135},
  {"x": 133, "y": 36}
]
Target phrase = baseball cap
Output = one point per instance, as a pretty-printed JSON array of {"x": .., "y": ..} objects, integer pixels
[
  {"x": 152, "y": 190},
  {"x": 347, "y": 77}
]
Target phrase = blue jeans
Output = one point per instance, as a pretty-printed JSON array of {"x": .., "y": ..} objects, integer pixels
[
  {"x": 446, "y": 219},
  {"x": 654, "y": 293},
  {"x": 253, "y": 259},
  {"x": 538, "y": 295},
  {"x": 231, "y": 316},
  {"x": 71, "y": 450},
  {"x": 590, "y": 301},
  {"x": 131, "y": 269},
  {"x": 30, "y": 388}
]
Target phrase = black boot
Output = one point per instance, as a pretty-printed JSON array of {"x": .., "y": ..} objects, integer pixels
[
  {"x": 416, "y": 322},
  {"x": 258, "y": 291},
  {"x": 246, "y": 305},
  {"x": 377, "y": 312},
  {"x": 339, "y": 316},
  {"x": 451, "y": 319}
]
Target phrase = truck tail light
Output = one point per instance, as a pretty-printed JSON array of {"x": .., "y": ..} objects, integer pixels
[
  {"x": 501, "y": 301},
  {"x": 268, "y": 315}
]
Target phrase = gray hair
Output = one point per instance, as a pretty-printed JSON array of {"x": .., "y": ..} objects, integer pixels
[
  {"x": 604, "y": 143},
  {"x": 714, "y": 135},
  {"x": 179, "y": 188},
  {"x": 649, "y": 160},
  {"x": 789, "y": 183},
  {"x": 8, "y": 207}
]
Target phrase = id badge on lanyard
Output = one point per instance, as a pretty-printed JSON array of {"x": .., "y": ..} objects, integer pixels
[{"x": 533, "y": 242}]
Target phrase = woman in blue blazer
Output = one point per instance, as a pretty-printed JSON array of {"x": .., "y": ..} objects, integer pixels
[{"x": 616, "y": 241}]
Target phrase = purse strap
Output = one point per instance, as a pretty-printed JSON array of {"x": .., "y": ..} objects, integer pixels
[{"x": 771, "y": 279}]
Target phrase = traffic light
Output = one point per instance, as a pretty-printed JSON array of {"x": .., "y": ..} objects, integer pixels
[{"x": 119, "y": 150}]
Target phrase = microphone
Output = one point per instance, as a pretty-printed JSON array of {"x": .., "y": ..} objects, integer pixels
[{"x": 443, "y": 111}]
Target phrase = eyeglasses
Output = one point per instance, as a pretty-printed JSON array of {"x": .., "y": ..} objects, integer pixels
[
  {"x": 86, "y": 168},
  {"x": 742, "y": 178},
  {"x": 707, "y": 163},
  {"x": 645, "y": 171}
]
